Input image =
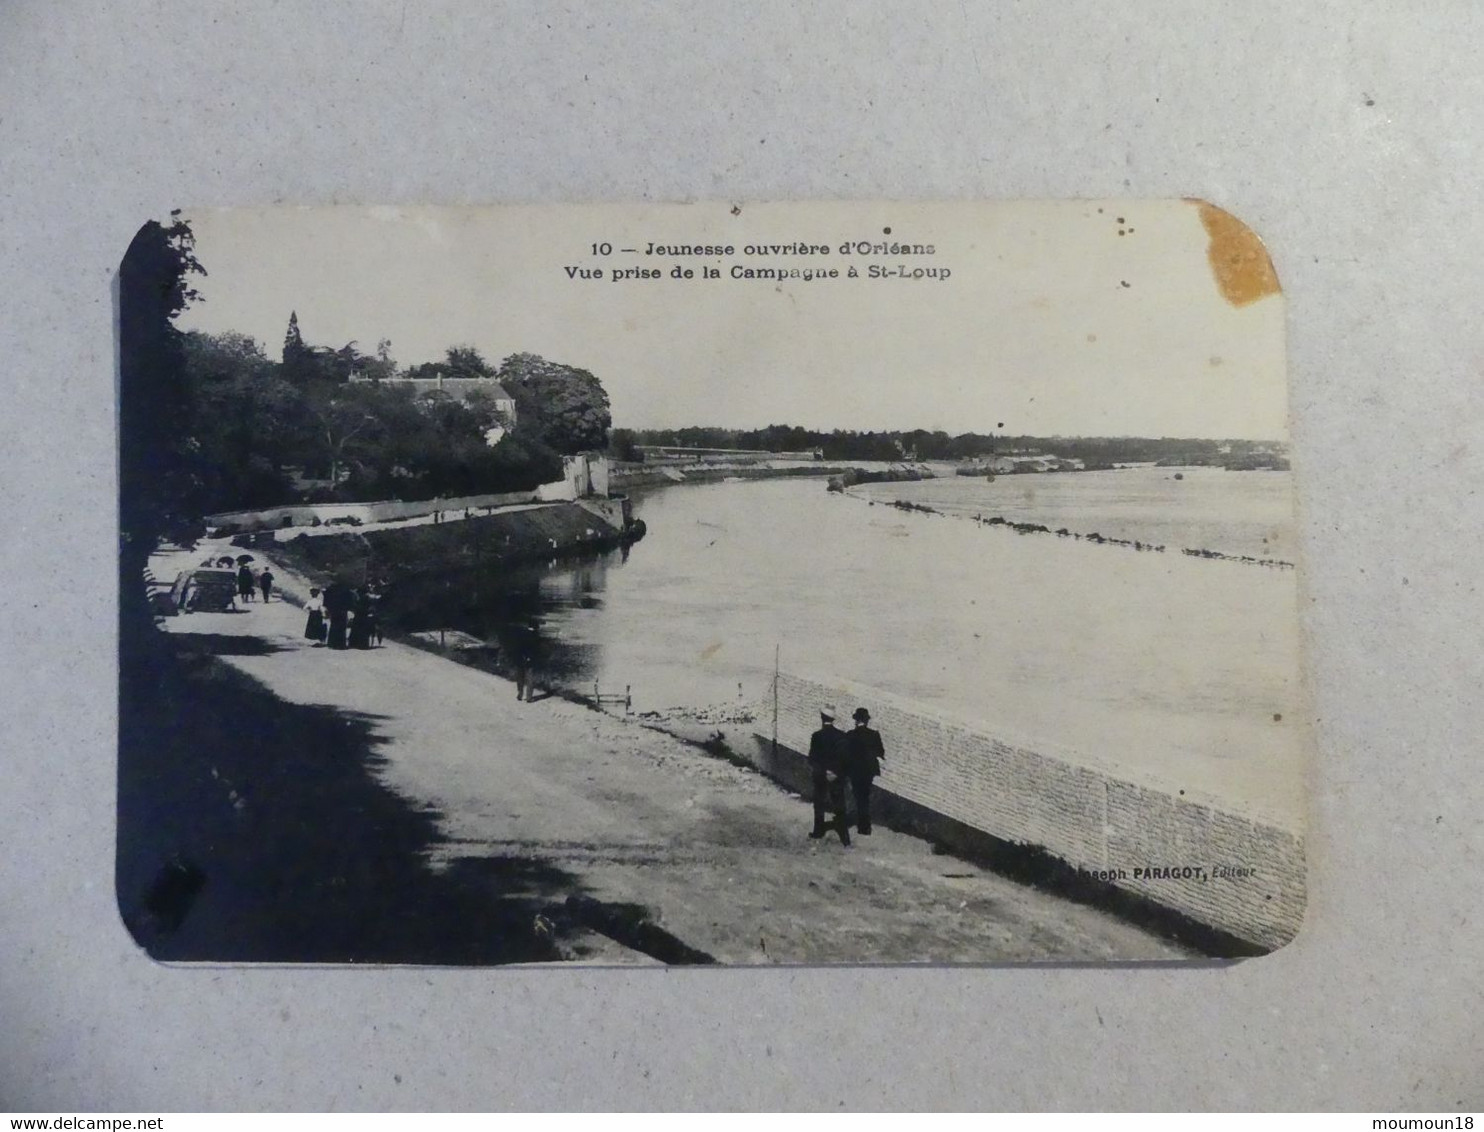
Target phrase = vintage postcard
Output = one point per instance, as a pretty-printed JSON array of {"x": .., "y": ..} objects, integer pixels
[{"x": 814, "y": 583}]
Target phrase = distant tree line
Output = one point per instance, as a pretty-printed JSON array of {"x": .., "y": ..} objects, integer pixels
[{"x": 921, "y": 444}]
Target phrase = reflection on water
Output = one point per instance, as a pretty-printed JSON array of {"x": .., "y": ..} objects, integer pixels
[
  {"x": 1178, "y": 665},
  {"x": 519, "y": 613}
]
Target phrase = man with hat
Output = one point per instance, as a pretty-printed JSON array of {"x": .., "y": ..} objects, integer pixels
[
  {"x": 827, "y": 755},
  {"x": 864, "y": 754}
]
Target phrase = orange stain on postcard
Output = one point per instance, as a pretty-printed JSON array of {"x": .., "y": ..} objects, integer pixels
[{"x": 1239, "y": 262}]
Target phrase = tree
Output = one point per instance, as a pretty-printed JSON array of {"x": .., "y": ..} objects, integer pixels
[
  {"x": 159, "y": 467},
  {"x": 337, "y": 418},
  {"x": 159, "y": 481},
  {"x": 249, "y": 423},
  {"x": 298, "y": 366},
  {"x": 425, "y": 371},
  {"x": 305, "y": 365},
  {"x": 293, "y": 341},
  {"x": 466, "y": 361},
  {"x": 382, "y": 367},
  {"x": 412, "y": 446},
  {"x": 622, "y": 446},
  {"x": 338, "y": 366},
  {"x": 560, "y": 407}
]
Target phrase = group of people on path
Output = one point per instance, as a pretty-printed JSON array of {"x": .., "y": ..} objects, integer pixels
[
  {"x": 341, "y": 616},
  {"x": 837, "y": 759},
  {"x": 250, "y": 580}
]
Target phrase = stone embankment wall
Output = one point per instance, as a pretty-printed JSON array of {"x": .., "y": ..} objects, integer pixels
[
  {"x": 1110, "y": 827},
  {"x": 304, "y": 514},
  {"x": 639, "y": 476},
  {"x": 617, "y": 511},
  {"x": 583, "y": 475},
  {"x": 390, "y": 553}
]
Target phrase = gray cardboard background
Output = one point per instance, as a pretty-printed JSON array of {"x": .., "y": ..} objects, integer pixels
[{"x": 1347, "y": 135}]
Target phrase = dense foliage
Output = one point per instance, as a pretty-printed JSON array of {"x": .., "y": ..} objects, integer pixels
[
  {"x": 159, "y": 462},
  {"x": 328, "y": 424},
  {"x": 563, "y": 408}
]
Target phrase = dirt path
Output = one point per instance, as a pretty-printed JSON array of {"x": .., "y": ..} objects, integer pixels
[{"x": 717, "y": 854}]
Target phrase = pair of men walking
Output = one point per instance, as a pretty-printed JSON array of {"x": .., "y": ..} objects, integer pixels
[
  {"x": 247, "y": 581},
  {"x": 836, "y": 758}
]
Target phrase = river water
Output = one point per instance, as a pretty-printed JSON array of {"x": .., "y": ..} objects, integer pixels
[
  {"x": 1174, "y": 669},
  {"x": 1235, "y": 513}
]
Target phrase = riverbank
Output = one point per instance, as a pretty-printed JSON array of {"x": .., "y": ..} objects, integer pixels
[
  {"x": 505, "y": 538},
  {"x": 635, "y": 476},
  {"x": 453, "y": 823}
]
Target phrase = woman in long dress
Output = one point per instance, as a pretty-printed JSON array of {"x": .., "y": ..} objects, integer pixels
[{"x": 314, "y": 626}]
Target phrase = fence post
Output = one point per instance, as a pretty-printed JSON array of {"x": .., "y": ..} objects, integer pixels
[{"x": 775, "y": 701}]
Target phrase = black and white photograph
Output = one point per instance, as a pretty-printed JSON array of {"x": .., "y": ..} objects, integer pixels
[{"x": 720, "y": 583}]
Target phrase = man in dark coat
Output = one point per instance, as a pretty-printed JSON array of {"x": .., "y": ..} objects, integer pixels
[
  {"x": 862, "y": 765},
  {"x": 244, "y": 582},
  {"x": 827, "y": 755},
  {"x": 265, "y": 581},
  {"x": 338, "y": 598},
  {"x": 360, "y": 625}
]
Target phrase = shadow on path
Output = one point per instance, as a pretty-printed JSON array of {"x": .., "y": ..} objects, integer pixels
[
  {"x": 227, "y": 644},
  {"x": 255, "y": 830},
  {"x": 631, "y": 925}
]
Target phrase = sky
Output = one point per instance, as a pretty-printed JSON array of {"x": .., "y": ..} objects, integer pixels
[{"x": 1072, "y": 318}]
